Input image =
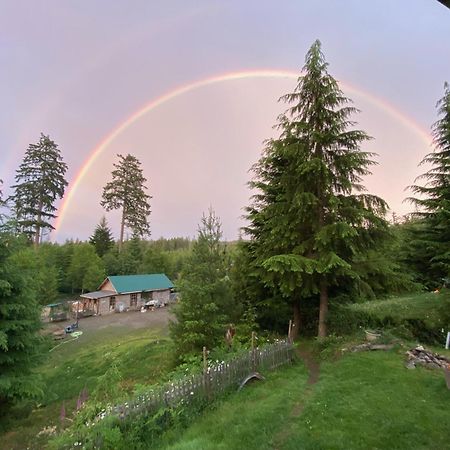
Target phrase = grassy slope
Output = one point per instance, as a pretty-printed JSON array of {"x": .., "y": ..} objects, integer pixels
[
  {"x": 141, "y": 356},
  {"x": 362, "y": 401},
  {"x": 419, "y": 306}
]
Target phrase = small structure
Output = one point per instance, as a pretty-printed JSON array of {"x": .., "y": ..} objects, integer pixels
[
  {"x": 126, "y": 292},
  {"x": 56, "y": 312}
]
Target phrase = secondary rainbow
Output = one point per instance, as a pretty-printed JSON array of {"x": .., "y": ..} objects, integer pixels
[{"x": 172, "y": 94}]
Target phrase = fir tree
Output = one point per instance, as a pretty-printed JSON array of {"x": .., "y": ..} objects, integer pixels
[
  {"x": 310, "y": 217},
  {"x": 20, "y": 343},
  {"x": 433, "y": 227},
  {"x": 102, "y": 239},
  {"x": 39, "y": 183},
  {"x": 126, "y": 191},
  {"x": 205, "y": 293}
]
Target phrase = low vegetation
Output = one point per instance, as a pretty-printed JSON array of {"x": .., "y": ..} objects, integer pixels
[
  {"x": 141, "y": 357},
  {"x": 362, "y": 400},
  {"x": 424, "y": 317}
]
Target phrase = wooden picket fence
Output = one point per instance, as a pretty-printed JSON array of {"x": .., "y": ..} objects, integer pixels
[{"x": 214, "y": 381}]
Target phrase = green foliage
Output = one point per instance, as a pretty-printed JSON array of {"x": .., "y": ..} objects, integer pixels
[
  {"x": 48, "y": 280},
  {"x": 20, "y": 343},
  {"x": 79, "y": 365},
  {"x": 156, "y": 261},
  {"x": 206, "y": 304},
  {"x": 130, "y": 258},
  {"x": 47, "y": 285},
  {"x": 108, "y": 386},
  {"x": 311, "y": 220},
  {"x": 126, "y": 191},
  {"x": 431, "y": 234},
  {"x": 424, "y": 317},
  {"x": 111, "y": 261},
  {"x": 363, "y": 400},
  {"x": 39, "y": 183},
  {"x": 86, "y": 270},
  {"x": 102, "y": 239}
]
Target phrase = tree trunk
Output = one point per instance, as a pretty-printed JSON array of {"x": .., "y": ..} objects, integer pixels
[
  {"x": 323, "y": 311},
  {"x": 122, "y": 229},
  {"x": 296, "y": 324},
  {"x": 37, "y": 235}
]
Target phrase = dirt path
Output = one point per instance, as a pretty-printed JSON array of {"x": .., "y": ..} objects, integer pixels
[{"x": 313, "y": 367}]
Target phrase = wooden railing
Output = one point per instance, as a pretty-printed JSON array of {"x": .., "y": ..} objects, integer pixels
[{"x": 214, "y": 381}]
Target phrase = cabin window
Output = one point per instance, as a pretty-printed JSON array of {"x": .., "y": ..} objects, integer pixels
[
  {"x": 133, "y": 299},
  {"x": 112, "y": 303}
]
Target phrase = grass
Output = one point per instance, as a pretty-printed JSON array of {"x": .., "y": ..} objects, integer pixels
[
  {"x": 420, "y": 306},
  {"x": 141, "y": 355},
  {"x": 247, "y": 419},
  {"x": 421, "y": 317},
  {"x": 362, "y": 401}
]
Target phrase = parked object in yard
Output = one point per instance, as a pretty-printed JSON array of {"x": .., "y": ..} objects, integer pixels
[
  {"x": 153, "y": 304},
  {"x": 71, "y": 328},
  {"x": 59, "y": 334},
  {"x": 372, "y": 335},
  {"x": 121, "y": 307},
  {"x": 57, "y": 312}
]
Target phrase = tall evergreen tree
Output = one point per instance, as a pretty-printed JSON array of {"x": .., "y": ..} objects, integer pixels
[
  {"x": 310, "y": 216},
  {"x": 39, "y": 183},
  {"x": 19, "y": 323},
  {"x": 126, "y": 191},
  {"x": 102, "y": 239},
  {"x": 205, "y": 292},
  {"x": 433, "y": 228}
]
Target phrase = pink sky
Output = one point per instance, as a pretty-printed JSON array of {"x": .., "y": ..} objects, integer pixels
[{"x": 77, "y": 71}]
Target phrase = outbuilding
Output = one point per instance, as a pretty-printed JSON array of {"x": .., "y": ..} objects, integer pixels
[{"x": 126, "y": 292}]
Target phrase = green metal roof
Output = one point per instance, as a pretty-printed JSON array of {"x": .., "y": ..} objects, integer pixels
[{"x": 140, "y": 283}]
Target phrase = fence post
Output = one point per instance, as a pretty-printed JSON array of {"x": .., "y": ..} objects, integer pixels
[
  {"x": 290, "y": 332},
  {"x": 205, "y": 362},
  {"x": 253, "y": 352},
  {"x": 206, "y": 382}
]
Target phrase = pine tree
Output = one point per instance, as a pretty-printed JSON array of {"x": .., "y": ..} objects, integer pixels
[
  {"x": 126, "y": 191},
  {"x": 205, "y": 292},
  {"x": 39, "y": 183},
  {"x": 311, "y": 215},
  {"x": 433, "y": 227},
  {"x": 20, "y": 343},
  {"x": 102, "y": 239}
]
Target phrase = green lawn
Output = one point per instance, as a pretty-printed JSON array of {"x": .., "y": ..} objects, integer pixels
[
  {"x": 361, "y": 401},
  {"x": 420, "y": 306},
  {"x": 421, "y": 317},
  {"x": 140, "y": 354}
]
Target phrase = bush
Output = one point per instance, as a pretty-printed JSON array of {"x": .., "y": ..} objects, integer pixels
[{"x": 425, "y": 318}]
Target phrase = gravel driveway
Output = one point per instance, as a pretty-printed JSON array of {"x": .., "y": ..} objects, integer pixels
[{"x": 158, "y": 319}]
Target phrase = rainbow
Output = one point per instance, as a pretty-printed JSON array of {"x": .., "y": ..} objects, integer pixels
[{"x": 184, "y": 89}]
